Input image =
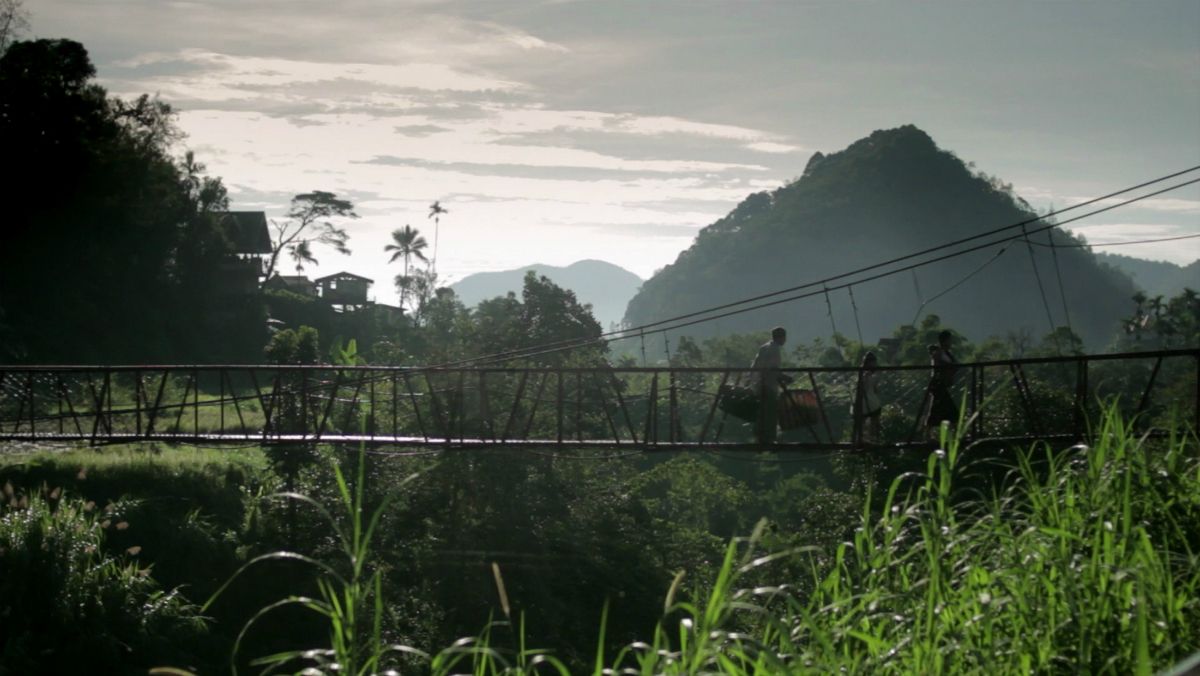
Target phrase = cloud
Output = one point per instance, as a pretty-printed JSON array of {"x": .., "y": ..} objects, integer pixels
[
  {"x": 421, "y": 130},
  {"x": 195, "y": 67},
  {"x": 1110, "y": 238},
  {"x": 557, "y": 163},
  {"x": 520, "y": 175},
  {"x": 1161, "y": 204},
  {"x": 769, "y": 147},
  {"x": 1114, "y": 233}
]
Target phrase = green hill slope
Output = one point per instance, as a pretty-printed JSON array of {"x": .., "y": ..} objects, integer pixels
[
  {"x": 1156, "y": 278},
  {"x": 890, "y": 194}
]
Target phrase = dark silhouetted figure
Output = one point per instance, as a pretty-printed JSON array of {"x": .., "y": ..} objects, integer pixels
[
  {"x": 770, "y": 358},
  {"x": 868, "y": 407},
  {"x": 941, "y": 379}
]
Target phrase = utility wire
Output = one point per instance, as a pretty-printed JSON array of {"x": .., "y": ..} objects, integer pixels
[
  {"x": 625, "y": 333},
  {"x": 630, "y": 331},
  {"x": 573, "y": 344},
  {"x": 1062, "y": 289},
  {"x": 959, "y": 283},
  {"x": 829, "y": 310},
  {"x": 854, "y": 306},
  {"x": 939, "y": 247},
  {"x": 1042, "y": 291},
  {"x": 1088, "y": 245},
  {"x": 568, "y": 345}
]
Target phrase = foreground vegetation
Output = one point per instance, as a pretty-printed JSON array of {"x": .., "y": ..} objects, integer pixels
[{"x": 1079, "y": 559}]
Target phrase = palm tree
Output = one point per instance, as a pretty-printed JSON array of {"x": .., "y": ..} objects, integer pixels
[
  {"x": 435, "y": 212},
  {"x": 406, "y": 243}
]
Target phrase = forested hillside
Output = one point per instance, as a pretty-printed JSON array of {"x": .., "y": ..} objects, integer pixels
[
  {"x": 1156, "y": 278},
  {"x": 892, "y": 193}
]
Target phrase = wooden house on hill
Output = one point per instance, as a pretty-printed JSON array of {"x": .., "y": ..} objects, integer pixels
[
  {"x": 295, "y": 283},
  {"x": 249, "y": 241},
  {"x": 389, "y": 316},
  {"x": 344, "y": 289}
]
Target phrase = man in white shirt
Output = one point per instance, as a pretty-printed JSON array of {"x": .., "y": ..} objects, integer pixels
[{"x": 769, "y": 358}]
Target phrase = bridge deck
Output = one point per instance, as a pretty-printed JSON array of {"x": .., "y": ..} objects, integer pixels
[{"x": 662, "y": 408}]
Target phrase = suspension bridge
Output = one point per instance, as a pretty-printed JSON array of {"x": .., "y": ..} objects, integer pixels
[{"x": 652, "y": 408}]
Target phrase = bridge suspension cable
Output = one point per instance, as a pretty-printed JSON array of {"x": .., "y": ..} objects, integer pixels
[
  {"x": 959, "y": 283},
  {"x": 697, "y": 317},
  {"x": 1041, "y": 291},
  {"x": 1062, "y": 289},
  {"x": 954, "y": 243},
  {"x": 1088, "y": 245}
]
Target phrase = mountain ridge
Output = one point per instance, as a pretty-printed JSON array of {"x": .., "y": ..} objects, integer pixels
[
  {"x": 606, "y": 286},
  {"x": 885, "y": 195},
  {"x": 1156, "y": 278}
]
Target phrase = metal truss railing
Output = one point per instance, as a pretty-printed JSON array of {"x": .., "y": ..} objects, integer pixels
[{"x": 649, "y": 408}]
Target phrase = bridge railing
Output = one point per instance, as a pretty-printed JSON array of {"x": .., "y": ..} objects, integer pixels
[{"x": 1051, "y": 398}]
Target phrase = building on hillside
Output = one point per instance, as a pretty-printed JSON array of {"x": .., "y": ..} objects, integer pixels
[
  {"x": 295, "y": 283},
  {"x": 344, "y": 291},
  {"x": 250, "y": 240},
  {"x": 388, "y": 316}
]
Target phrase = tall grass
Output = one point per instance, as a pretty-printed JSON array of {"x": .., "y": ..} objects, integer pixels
[
  {"x": 1083, "y": 561},
  {"x": 1079, "y": 560},
  {"x": 349, "y": 596}
]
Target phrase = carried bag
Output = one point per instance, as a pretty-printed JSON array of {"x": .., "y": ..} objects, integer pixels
[
  {"x": 798, "y": 408},
  {"x": 739, "y": 402}
]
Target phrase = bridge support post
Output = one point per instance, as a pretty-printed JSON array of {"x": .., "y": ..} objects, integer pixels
[
  {"x": 559, "y": 408},
  {"x": 857, "y": 410},
  {"x": 651, "y": 435}
]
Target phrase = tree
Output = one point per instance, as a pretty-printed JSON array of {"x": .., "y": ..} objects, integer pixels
[
  {"x": 1171, "y": 324},
  {"x": 14, "y": 21},
  {"x": 552, "y": 314},
  {"x": 406, "y": 243},
  {"x": 422, "y": 283},
  {"x": 435, "y": 212},
  {"x": 308, "y": 224},
  {"x": 109, "y": 232}
]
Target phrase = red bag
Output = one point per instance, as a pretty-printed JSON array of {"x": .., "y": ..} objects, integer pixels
[{"x": 798, "y": 408}]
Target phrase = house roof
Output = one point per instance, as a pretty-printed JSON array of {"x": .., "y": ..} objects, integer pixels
[
  {"x": 343, "y": 275},
  {"x": 248, "y": 230}
]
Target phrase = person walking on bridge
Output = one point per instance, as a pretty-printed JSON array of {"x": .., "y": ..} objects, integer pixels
[
  {"x": 868, "y": 407},
  {"x": 941, "y": 379},
  {"x": 769, "y": 359}
]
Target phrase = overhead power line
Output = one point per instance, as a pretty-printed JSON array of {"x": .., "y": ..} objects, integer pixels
[
  {"x": 1062, "y": 289},
  {"x": 1088, "y": 245},
  {"x": 947, "y": 245},
  {"x": 697, "y": 317},
  {"x": 1041, "y": 290},
  {"x": 997, "y": 255}
]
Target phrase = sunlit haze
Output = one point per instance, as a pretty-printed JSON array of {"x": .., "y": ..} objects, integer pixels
[{"x": 557, "y": 131}]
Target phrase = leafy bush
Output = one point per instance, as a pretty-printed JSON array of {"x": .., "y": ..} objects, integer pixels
[{"x": 67, "y": 606}]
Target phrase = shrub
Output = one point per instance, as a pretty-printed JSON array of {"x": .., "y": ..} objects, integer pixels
[{"x": 66, "y": 606}]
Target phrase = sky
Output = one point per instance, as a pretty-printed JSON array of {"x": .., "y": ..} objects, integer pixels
[{"x": 554, "y": 131}]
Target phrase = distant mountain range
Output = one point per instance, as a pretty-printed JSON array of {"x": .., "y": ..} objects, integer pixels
[
  {"x": 1156, "y": 278},
  {"x": 605, "y": 286},
  {"x": 887, "y": 195}
]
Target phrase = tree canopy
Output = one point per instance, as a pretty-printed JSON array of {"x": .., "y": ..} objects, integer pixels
[{"x": 111, "y": 238}]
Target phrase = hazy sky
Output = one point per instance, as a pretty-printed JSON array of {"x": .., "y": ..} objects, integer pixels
[{"x": 555, "y": 131}]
